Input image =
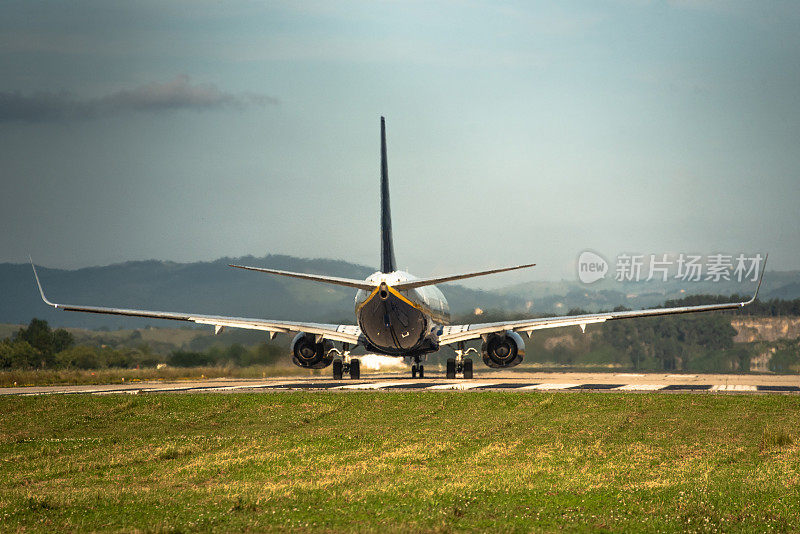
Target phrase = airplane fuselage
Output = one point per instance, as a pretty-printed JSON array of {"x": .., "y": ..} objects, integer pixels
[{"x": 401, "y": 323}]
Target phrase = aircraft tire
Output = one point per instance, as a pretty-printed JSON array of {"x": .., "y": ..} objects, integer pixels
[
  {"x": 337, "y": 369},
  {"x": 355, "y": 369},
  {"x": 414, "y": 371},
  {"x": 421, "y": 371},
  {"x": 468, "y": 368},
  {"x": 451, "y": 368}
]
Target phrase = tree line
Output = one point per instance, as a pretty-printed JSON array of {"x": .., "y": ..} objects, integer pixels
[
  {"x": 37, "y": 346},
  {"x": 697, "y": 342}
]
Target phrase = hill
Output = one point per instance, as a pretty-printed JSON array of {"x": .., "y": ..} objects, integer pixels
[
  {"x": 559, "y": 297},
  {"x": 200, "y": 287},
  {"x": 214, "y": 288}
]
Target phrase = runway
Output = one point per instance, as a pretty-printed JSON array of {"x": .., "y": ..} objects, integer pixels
[{"x": 502, "y": 381}]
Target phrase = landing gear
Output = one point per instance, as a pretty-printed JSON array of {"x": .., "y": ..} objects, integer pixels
[
  {"x": 454, "y": 367},
  {"x": 451, "y": 368},
  {"x": 460, "y": 364},
  {"x": 337, "y": 369},
  {"x": 467, "y": 369},
  {"x": 346, "y": 365},
  {"x": 417, "y": 369}
]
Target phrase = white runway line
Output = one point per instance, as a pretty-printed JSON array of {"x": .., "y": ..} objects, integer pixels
[
  {"x": 221, "y": 388},
  {"x": 550, "y": 386},
  {"x": 733, "y": 387},
  {"x": 167, "y": 390},
  {"x": 681, "y": 376},
  {"x": 462, "y": 385},
  {"x": 232, "y": 388},
  {"x": 629, "y": 374},
  {"x": 641, "y": 387},
  {"x": 373, "y": 385}
]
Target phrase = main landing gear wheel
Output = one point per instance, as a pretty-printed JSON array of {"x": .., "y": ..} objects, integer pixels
[
  {"x": 337, "y": 369},
  {"x": 468, "y": 368},
  {"x": 460, "y": 364},
  {"x": 454, "y": 367},
  {"x": 421, "y": 370},
  {"x": 451, "y": 368},
  {"x": 414, "y": 371},
  {"x": 340, "y": 369}
]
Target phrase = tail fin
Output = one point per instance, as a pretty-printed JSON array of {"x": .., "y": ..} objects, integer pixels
[{"x": 387, "y": 248}]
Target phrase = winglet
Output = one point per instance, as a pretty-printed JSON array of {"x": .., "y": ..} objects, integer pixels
[
  {"x": 760, "y": 279},
  {"x": 38, "y": 283}
]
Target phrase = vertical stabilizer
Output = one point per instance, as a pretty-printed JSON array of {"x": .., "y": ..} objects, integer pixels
[{"x": 387, "y": 248}]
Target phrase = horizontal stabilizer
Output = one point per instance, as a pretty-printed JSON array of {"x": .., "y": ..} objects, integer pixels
[
  {"x": 348, "y": 282},
  {"x": 440, "y": 280}
]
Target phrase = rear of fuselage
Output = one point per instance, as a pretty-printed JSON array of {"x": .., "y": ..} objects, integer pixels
[{"x": 401, "y": 323}]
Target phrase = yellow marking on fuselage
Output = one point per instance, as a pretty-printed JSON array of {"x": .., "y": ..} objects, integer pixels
[
  {"x": 369, "y": 297},
  {"x": 404, "y": 299},
  {"x": 393, "y": 292}
]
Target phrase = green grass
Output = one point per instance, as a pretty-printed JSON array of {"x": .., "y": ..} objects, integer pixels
[
  {"x": 380, "y": 461},
  {"x": 115, "y": 375}
]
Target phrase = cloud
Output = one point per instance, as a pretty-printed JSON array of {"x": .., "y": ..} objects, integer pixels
[{"x": 176, "y": 94}]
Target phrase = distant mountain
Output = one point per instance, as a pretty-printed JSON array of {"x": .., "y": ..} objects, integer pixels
[
  {"x": 214, "y": 288},
  {"x": 202, "y": 287},
  {"x": 559, "y": 297}
]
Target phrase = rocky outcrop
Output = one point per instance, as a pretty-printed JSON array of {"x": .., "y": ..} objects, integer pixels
[{"x": 765, "y": 328}]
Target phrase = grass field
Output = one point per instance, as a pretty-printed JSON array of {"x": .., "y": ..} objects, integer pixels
[
  {"x": 400, "y": 462},
  {"x": 51, "y": 377}
]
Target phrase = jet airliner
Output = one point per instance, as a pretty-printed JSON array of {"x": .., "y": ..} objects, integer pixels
[{"x": 398, "y": 315}]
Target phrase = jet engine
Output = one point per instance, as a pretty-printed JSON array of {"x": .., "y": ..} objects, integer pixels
[
  {"x": 309, "y": 354},
  {"x": 503, "y": 350}
]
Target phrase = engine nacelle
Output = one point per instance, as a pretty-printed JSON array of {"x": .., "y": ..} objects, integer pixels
[
  {"x": 503, "y": 350},
  {"x": 309, "y": 354}
]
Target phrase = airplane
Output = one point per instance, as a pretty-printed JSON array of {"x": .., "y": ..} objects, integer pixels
[{"x": 399, "y": 315}]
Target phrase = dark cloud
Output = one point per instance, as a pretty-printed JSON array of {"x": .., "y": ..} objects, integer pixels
[{"x": 176, "y": 94}]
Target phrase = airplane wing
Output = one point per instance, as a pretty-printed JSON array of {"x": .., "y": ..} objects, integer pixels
[
  {"x": 342, "y": 332},
  {"x": 456, "y": 333}
]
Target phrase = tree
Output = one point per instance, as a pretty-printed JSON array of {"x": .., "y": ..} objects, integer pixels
[
  {"x": 62, "y": 340},
  {"x": 45, "y": 342},
  {"x": 180, "y": 358},
  {"x": 39, "y": 336},
  {"x": 18, "y": 354},
  {"x": 80, "y": 357}
]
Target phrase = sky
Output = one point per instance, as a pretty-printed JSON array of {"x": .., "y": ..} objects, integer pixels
[{"x": 518, "y": 132}]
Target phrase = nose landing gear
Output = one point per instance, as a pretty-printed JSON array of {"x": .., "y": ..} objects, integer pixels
[{"x": 417, "y": 369}]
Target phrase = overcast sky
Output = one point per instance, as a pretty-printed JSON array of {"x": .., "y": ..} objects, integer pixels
[{"x": 517, "y": 131}]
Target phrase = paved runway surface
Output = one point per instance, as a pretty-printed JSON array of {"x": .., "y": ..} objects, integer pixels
[{"x": 506, "y": 381}]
